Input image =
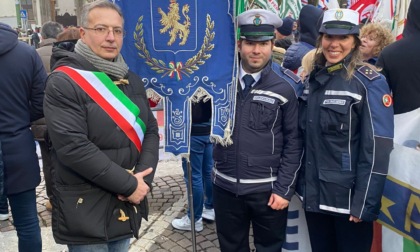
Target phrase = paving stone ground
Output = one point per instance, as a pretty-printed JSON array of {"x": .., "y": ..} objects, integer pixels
[{"x": 167, "y": 201}]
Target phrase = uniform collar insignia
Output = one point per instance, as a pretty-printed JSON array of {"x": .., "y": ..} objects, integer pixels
[{"x": 335, "y": 67}]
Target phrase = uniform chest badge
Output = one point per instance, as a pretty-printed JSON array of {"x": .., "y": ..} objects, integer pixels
[{"x": 387, "y": 100}]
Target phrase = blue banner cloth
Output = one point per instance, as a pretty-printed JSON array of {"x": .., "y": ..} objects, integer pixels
[{"x": 183, "y": 50}]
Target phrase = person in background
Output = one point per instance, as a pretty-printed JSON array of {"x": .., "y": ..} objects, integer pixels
[
  {"x": 310, "y": 18},
  {"x": 4, "y": 205},
  {"x": 254, "y": 178},
  {"x": 71, "y": 33},
  {"x": 346, "y": 117},
  {"x": 374, "y": 37},
  {"x": 35, "y": 38},
  {"x": 201, "y": 159},
  {"x": 22, "y": 90},
  {"x": 105, "y": 142},
  {"x": 295, "y": 31},
  {"x": 67, "y": 39},
  {"x": 400, "y": 63},
  {"x": 284, "y": 35},
  {"x": 50, "y": 30},
  {"x": 284, "y": 38},
  {"x": 49, "y": 33}
]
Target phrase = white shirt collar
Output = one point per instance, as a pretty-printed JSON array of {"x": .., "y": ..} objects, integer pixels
[{"x": 242, "y": 72}]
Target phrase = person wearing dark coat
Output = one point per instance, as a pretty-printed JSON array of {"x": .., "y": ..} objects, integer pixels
[
  {"x": 346, "y": 118},
  {"x": 105, "y": 141},
  {"x": 310, "y": 19},
  {"x": 254, "y": 177},
  {"x": 21, "y": 98},
  {"x": 50, "y": 30},
  {"x": 400, "y": 63}
]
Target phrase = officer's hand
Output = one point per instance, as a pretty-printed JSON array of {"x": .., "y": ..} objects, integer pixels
[
  {"x": 276, "y": 202},
  {"x": 354, "y": 219},
  {"x": 142, "y": 188}
]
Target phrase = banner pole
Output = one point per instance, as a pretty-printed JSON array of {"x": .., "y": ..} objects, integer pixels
[{"x": 191, "y": 205}]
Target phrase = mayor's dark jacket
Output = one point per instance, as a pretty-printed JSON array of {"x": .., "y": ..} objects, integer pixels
[
  {"x": 400, "y": 63},
  {"x": 22, "y": 90},
  {"x": 91, "y": 156}
]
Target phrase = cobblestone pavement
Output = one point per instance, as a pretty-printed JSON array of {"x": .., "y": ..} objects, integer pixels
[{"x": 167, "y": 201}]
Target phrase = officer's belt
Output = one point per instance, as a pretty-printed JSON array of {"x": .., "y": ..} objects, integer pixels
[{"x": 243, "y": 181}]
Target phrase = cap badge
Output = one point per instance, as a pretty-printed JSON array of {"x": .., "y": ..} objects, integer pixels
[
  {"x": 387, "y": 100},
  {"x": 339, "y": 14},
  {"x": 257, "y": 20}
]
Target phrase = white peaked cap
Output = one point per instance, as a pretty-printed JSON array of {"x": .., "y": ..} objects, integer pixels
[{"x": 340, "y": 22}]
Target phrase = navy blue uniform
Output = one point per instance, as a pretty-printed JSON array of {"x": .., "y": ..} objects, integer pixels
[
  {"x": 263, "y": 159},
  {"x": 348, "y": 131},
  {"x": 266, "y": 144},
  {"x": 290, "y": 77}
]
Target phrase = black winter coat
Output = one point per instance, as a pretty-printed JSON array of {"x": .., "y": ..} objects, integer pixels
[
  {"x": 22, "y": 90},
  {"x": 91, "y": 153},
  {"x": 400, "y": 63}
]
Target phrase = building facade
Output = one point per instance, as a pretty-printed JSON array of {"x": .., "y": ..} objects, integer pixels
[{"x": 66, "y": 12}]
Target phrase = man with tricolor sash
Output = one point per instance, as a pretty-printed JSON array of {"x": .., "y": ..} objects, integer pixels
[{"x": 104, "y": 138}]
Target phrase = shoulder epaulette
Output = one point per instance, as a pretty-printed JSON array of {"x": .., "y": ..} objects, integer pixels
[
  {"x": 292, "y": 75},
  {"x": 368, "y": 72}
]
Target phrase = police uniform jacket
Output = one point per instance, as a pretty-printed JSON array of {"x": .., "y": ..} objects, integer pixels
[
  {"x": 348, "y": 132},
  {"x": 91, "y": 156},
  {"x": 290, "y": 77},
  {"x": 266, "y": 150}
]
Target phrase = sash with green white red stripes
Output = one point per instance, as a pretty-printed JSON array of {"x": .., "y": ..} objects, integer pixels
[{"x": 112, "y": 100}]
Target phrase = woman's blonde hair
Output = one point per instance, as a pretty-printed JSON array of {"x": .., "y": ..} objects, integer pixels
[
  {"x": 308, "y": 61},
  {"x": 380, "y": 34}
]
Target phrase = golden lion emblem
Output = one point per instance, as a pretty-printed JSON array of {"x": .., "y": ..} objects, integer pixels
[{"x": 171, "y": 20}]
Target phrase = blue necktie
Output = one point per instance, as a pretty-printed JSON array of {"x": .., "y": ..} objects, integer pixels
[{"x": 248, "y": 80}]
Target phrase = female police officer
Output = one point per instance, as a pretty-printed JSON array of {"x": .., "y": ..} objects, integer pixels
[{"x": 346, "y": 116}]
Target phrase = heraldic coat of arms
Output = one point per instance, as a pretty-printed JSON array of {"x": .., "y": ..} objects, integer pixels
[{"x": 184, "y": 51}]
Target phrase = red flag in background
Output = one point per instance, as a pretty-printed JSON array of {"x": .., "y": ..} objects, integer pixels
[{"x": 365, "y": 8}]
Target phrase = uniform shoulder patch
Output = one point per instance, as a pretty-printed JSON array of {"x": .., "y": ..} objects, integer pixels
[
  {"x": 368, "y": 72},
  {"x": 292, "y": 75}
]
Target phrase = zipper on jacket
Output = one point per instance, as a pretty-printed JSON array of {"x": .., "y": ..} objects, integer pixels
[{"x": 238, "y": 159}]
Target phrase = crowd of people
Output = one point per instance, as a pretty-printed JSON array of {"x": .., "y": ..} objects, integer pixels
[{"x": 313, "y": 118}]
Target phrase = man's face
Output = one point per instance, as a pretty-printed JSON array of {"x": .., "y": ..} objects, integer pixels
[
  {"x": 106, "y": 45},
  {"x": 254, "y": 54}
]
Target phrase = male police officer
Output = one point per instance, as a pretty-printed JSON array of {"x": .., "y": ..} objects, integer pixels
[{"x": 254, "y": 177}]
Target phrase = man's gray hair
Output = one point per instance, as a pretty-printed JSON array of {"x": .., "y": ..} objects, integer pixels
[
  {"x": 98, "y": 4},
  {"x": 51, "y": 29}
]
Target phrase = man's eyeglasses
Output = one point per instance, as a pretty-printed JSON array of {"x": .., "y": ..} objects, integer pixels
[{"x": 104, "y": 31}]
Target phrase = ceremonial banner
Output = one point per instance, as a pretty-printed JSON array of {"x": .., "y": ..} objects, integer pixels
[
  {"x": 365, "y": 8},
  {"x": 271, "y": 5},
  {"x": 384, "y": 13},
  {"x": 297, "y": 236},
  {"x": 332, "y": 4},
  {"x": 400, "y": 212},
  {"x": 290, "y": 8},
  {"x": 400, "y": 16},
  {"x": 184, "y": 50}
]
